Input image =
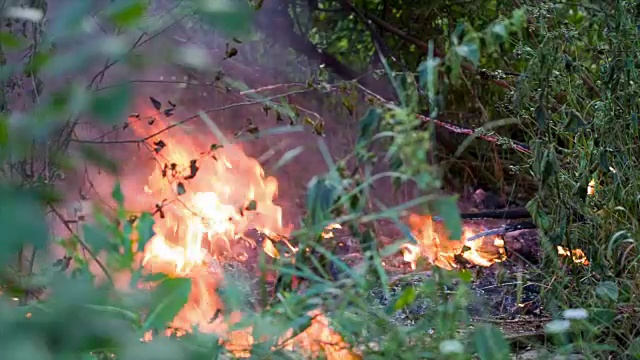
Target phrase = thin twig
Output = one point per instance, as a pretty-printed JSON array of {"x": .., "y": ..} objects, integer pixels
[
  {"x": 109, "y": 64},
  {"x": 82, "y": 243},
  {"x": 511, "y": 321},
  {"x": 330, "y": 87},
  {"x": 271, "y": 87},
  {"x": 455, "y": 128},
  {"x": 191, "y": 118}
]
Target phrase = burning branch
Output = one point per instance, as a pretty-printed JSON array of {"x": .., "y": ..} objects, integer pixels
[
  {"x": 503, "y": 230},
  {"x": 474, "y": 248}
]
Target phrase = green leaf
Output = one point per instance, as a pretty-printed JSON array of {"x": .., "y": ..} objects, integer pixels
[
  {"x": 117, "y": 194},
  {"x": 170, "y": 295},
  {"x": 368, "y": 124},
  {"x": 321, "y": 195},
  {"x": 47, "y": 194},
  {"x": 10, "y": 41},
  {"x": 97, "y": 238},
  {"x": 539, "y": 216},
  {"x": 287, "y": 157},
  {"x": 69, "y": 62},
  {"x": 549, "y": 167},
  {"x": 427, "y": 74},
  {"x": 124, "y": 314},
  {"x": 69, "y": 19},
  {"x": 541, "y": 117},
  {"x": 128, "y": 13},
  {"x": 518, "y": 18},
  {"x": 574, "y": 123},
  {"x": 466, "y": 276},
  {"x": 230, "y": 17},
  {"x": 145, "y": 229},
  {"x": 111, "y": 105},
  {"x": 603, "y": 315},
  {"x": 470, "y": 51},
  {"x": 38, "y": 61},
  {"x": 500, "y": 30},
  {"x": 22, "y": 221},
  {"x": 394, "y": 248},
  {"x": 4, "y": 133},
  {"x": 447, "y": 209},
  {"x": 407, "y": 298},
  {"x": 300, "y": 324},
  {"x": 233, "y": 294},
  {"x": 608, "y": 290},
  {"x": 455, "y": 66},
  {"x": 100, "y": 158},
  {"x": 490, "y": 343},
  {"x": 634, "y": 348}
]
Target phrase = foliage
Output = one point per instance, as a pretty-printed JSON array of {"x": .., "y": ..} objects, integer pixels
[{"x": 582, "y": 129}]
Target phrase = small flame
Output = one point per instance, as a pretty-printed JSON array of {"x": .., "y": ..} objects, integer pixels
[
  {"x": 327, "y": 233},
  {"x": 270, "y": 249},
  {"x": 442, "y": 252},
  {"x": 577, "y": 255},
  {"x": 591, "y": 188}
]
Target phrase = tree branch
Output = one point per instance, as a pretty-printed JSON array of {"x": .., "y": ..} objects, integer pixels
[
  {"x": 507, "y": 214},
  {"x": 190, "y": 118},
  {"x": 82, "y": 243},
  {"x": 275, "y": 21},
  {"x": 411, "y": 39}
]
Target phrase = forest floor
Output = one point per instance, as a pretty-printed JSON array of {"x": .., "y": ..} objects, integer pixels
[{"x": 505, "y": 294}]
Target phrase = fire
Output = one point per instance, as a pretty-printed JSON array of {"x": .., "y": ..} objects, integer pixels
[
  {"x": 327, "y": 233},
  {"x": 577, "y": 255},
  {"x": 591, "y": 188},
  {"x": 210, "y": 200},
  {"x": 445, "y": 253}
]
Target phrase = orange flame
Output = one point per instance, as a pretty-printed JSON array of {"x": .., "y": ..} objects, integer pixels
[
  {"x": 212, "y": 198},
  {"x": 445, "y": 253},
  {"x": 577, "y": 255}
]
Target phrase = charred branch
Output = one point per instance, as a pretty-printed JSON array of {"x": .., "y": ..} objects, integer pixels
[{"x": 506, "y": 214}]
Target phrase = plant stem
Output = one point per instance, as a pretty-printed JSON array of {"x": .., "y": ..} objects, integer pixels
[{"x": 82, "y": 243}]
